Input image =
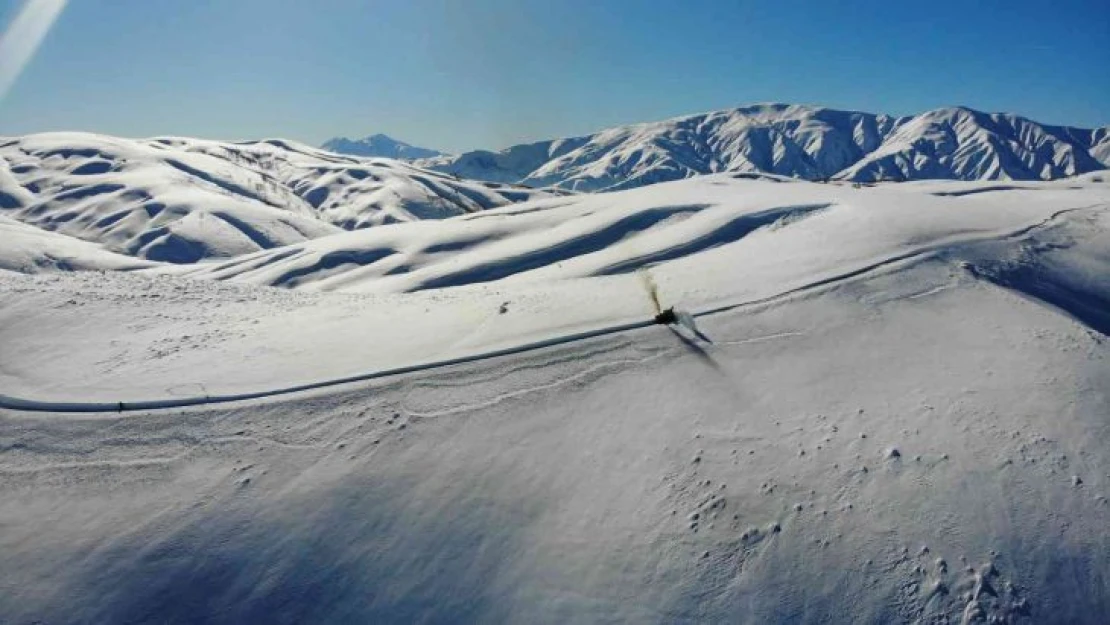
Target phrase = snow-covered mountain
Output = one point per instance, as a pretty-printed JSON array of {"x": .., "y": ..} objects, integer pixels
[
  {"x": 378, "y": 145},
  {"x": 799, "y": 141},
  {"x": 182, "y": 200},
  {"x": 964, "y": 144}
]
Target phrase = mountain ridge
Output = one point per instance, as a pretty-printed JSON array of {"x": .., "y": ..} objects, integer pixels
[
  {"x": 803, "y": 141},
  {"x": 379, "y": 145}
]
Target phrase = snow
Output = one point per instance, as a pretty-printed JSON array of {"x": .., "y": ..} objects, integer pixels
[
  {"x": 964, "y": 144},
  {"x": 896, "y": 412},
  {"x": 182, "y": 200},
  {"x": 27, "y": 249},
  {"x": 378, "y": 145},
  {"x": 798, "y": 141},
  {"x": 430, "y": 292},
  {"x": 824, "y": 229}
]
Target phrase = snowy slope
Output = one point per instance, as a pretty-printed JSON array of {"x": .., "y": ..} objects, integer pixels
[
  {"x": 426, "y": 292},
  {"x": 378, "y": 145},
  {"x": 964, "y": 144},
  {"x": 798, "y": 141},
  {"x": 896, "y": 413},
  {"x": 751, "y": 223},
  {"x": 182, "y": 200},
  {"x": 509, "y": 165},
  {"x": 28, "y": 249}
]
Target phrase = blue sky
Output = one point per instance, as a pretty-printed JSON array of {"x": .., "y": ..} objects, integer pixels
[{"x": 464, "y": 74}]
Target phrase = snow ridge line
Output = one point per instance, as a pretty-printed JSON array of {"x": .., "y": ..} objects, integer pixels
[{"x": 29, "y": 405}]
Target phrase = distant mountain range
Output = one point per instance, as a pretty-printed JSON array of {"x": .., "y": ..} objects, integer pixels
[
  {"x": 798, "y": 141},
  {"x": 378, "y": 145},
  {"x": 182, "y": 200}
]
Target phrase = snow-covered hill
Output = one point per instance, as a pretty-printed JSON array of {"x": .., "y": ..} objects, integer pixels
[
  {"x": 182, "y": 200},
  {"x": 378, "y": 145},
  {"x": 798, "y": 141},
  {"x": 749, "y": 220},
  {"x": 894, "y": 411},
  {"x": 27, "y": 249},
  {"x": 574, "y": 264}
]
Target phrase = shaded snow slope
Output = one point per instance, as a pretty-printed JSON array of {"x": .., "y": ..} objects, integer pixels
[
  {"x": 736, "y": 221},
  {"x": 378, "y": 145},
  {"x": 182, "y": 200},
  {"x": 28, "y": 249},
  {"x": 798, "y": 141},
  {"x": 923, "y": 442},
  {"x": 964, "y": 144}
]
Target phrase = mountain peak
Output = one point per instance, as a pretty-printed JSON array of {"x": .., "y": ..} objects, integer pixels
[{"x": 379, "y": 145}]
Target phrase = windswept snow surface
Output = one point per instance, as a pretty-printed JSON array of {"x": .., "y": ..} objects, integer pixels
[
  {"x": 898, "y": 412},
  {"x": 800, "y": 141},
  {"x": 183, "y": 200}
]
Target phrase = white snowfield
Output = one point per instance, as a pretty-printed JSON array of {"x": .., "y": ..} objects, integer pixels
[
  {"x": 182, "y": 200},
  {"x": 800, "y": 141},
  {"x": 896, "y": 410}
]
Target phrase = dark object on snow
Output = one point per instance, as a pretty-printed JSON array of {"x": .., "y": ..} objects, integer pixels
[{"x": 666, "y": 317}]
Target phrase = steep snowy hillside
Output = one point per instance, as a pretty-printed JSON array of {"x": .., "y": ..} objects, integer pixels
[
  {"x": 182, "y": 200},
  {"x": 509, "y": 165},
  {"x": 798, "y": 141},
  {"x": 894, "y": 410},
  {"x": 378, "y": 145},
  {"x": 964, "y": 144}
]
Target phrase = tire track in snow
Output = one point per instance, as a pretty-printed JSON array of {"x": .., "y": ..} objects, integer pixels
[{"x": 556, "y": 383}]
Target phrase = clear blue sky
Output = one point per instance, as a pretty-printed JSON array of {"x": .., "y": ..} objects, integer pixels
[{"x": 461, "y": 74}]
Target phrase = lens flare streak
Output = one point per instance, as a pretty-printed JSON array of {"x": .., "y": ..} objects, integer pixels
[{"x": 23, "y": 36}]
